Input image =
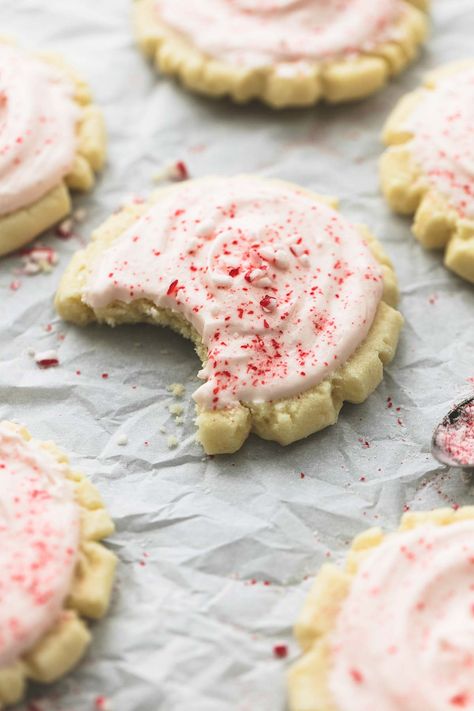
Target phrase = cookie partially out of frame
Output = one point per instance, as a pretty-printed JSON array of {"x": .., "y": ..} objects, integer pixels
[
  {"x": 290, "y": 307},
  {"x": 53, "y": 143},
  {"x": 55, "y": 571},
  {"x": 393, "y": 628},
  {"x": 428, "y": 168},
  {"x": 286, "y": 54}
]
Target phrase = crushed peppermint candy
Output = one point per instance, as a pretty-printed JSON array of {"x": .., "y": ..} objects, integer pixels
[
  {"x": 65, "y": 229},
  {"x": 47, "y": 359},
  {"x": 176, "y": 171},
  {"x": 37, "y": 259},
  {"x": 280, "y": 651},
  {"x": 102, "y": 703}
]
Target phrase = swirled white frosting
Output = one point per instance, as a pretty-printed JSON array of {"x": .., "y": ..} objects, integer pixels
[
  {"x": 281, "y": 288},
  {"x": 268, "y": 32},
  {"x": 405, "y": 635},
  {"x": 39, "y": 534},
  {"x": 38, "y": 118},
  {"x": 443, "y": 139}
]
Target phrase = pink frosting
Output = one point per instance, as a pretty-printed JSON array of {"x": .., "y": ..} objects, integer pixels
[
  {"x": 39, "y": 533},
  {"x": 270, "y": 32},
  {"x": 281, "y": 289},
  {"x": 38, "y": 118},
  {"x": 443, "y": 142},
  {"x": 405, "y": 635}
]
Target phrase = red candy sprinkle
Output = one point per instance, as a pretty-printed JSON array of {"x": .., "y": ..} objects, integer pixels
[
  {"x": 173, "y": 288},
  {"x": 179, "y": 171},
  {"x": 357, "y": 676},
  {"x": 268, "y": 303},
  {"x": 280, "y": 651},
  {"x": 47, "y": 363},
  {"x": 460, "y": 700}
]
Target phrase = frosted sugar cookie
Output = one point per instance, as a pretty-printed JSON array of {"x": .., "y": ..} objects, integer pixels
[
  {"x": 284, "y": 52},
  {"x": 428, "y": 168},
  {"x": 54, "y": 570},
  {"x": 289, "y": 305},
  {"x": 52, "y": 140},
  {"x": 394, "y": 629}
]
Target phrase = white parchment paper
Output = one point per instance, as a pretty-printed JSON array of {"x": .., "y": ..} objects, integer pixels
[{"x": 215, "y": 554}]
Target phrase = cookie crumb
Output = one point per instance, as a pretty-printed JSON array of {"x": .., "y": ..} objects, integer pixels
[
  {"x": 177, "y": 390},
  {"x": 172, "y": 442},
  {"x": 176, "y": 409},
  {"x": 80, "y": 214}
]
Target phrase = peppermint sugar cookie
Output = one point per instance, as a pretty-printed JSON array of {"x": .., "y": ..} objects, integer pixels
[
  {"x": 52, "y": 140},
  {"x": 54, "y": 570},
  {"x": 290, "y": 307},
  {"x": 284, "y": 52},
  {"x": 394, "y": 629},
  {"x": 428, "y": 169}
]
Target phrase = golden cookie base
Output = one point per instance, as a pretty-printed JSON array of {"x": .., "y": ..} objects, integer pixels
[
  {"x": 22, "y": 226},
  {"x": 335, "y": 80},
  {"x": 308, "y": 677},
  {"x": 283, "y": 421},
  {"x": 436, "y": 224},
  {"x": 63, "y": 646}
]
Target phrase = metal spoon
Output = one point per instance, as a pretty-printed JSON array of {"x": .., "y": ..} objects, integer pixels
[{"x": 459, "y": 423}]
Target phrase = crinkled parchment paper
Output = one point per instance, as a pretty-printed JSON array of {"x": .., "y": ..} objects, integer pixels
[{"x": 215, "y": 554}]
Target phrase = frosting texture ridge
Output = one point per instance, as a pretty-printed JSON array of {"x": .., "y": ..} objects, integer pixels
[
  {"x": 280, "y": 288},
  {"x": 265, "y": 32},
  {"x": 443, "y": 139},
  {"x": 38, "y": 118},
  {"x": 39, "y": 534},
  {"x": 404, "y": 638}
]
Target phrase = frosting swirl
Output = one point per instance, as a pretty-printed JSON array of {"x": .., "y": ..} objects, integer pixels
[
  {"x": 38, "y": 119},
  {"x": 281, "y": 289},
  {"x": 405, "y": 634},
  {"x": 443, "y": 139},
  {"x": 265, "y": 32},
  {"x": 39, "y": 533}
]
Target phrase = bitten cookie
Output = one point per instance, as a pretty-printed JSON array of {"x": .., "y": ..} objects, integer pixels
[
  {"x": 289, "y": 305},
  {"x": 286, "y": 52},
  {"x": 52, "y": 140},
  {"x": 429, "y": 167},
  {"x": 54, "y": 570},
  {"x": 394, "y": 629}
]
